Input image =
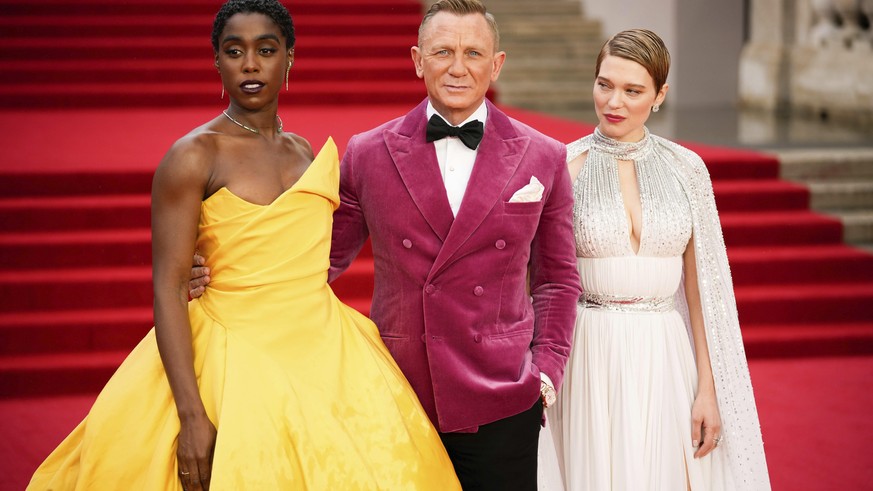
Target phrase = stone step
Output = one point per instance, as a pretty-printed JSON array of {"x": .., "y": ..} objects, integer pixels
[
  {"x": 555, "y": 26},
  {"x": 559, "y": 102},
  {"x": 552, "y": 48},
  {"x": 580, "y": 87},
  {"x": 576, "y": 75},
  {"x": 524, "y": 64},
  {"x": 552, "y": 97},
  {"x": 841, "y": 184},
  {"x": 571, "y": 59},
  {"x": 564, "y": 107},
  {"x": 534, "y": 44},
  {"x": 570, "y": 72},
  {"x": 576, "y": 111},
  {"x": 857, "y": 225},
  {"x": 841, "y": 194},
  {"x": 504, "y": 8},
  {"x": 569, "y": 52},
  {"x": 867, "y": 246},
  {"x": 819, "y": 164}
]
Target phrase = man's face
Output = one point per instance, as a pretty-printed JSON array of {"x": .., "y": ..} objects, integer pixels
[{"x": 457, "y": 61}]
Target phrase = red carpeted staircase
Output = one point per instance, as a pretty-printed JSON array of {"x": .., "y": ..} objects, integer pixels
[
  {"x": 75, "y": 292},
  {"x": 75, "y": 278},
  {"x": 800, "y": 291},
  {"x": 94, "y": 53}
]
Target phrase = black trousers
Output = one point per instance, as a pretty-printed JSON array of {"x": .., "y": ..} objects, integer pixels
[{"x": 501, "y": 456}]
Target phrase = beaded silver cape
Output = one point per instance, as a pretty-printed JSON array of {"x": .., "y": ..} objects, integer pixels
[{"x": 740, "y": 425}]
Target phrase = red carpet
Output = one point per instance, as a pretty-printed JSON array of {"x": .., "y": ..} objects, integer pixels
[
  {"x": 75, "y": 291},
  {"x": 814, "y": 417}
]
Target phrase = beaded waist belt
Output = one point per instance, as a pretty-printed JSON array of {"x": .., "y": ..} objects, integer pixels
[{"x": 616, "y": 303}]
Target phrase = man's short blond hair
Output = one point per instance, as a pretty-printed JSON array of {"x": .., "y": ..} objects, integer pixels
[{"x": 461, "y": 7}]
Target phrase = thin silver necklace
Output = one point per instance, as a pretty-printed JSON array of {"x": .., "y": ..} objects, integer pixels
[{"x": 253, "y": 130}]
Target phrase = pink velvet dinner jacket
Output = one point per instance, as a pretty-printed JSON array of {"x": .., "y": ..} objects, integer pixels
[{"x": 450, "y": 297}]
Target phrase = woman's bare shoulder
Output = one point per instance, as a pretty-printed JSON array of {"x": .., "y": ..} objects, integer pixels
[{"x": 191, "y": 158}]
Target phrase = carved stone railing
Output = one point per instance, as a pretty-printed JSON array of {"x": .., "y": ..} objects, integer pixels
[
  {"x": 810, "y": 57},
  {"x": 841, "y": 24}
]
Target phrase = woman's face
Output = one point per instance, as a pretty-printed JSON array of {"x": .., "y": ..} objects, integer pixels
[
  {"x": 624, "y": 94},
  {"x": 252, "y": 59}
]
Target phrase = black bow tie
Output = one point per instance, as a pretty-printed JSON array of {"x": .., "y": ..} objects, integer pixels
[{"x": 470, "y": 133}]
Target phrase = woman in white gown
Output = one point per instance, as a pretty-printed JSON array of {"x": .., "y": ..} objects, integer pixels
[{"x": 657, "y": 394}]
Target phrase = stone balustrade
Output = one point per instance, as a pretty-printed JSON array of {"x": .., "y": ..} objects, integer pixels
[{"x": 841, "y": 24}]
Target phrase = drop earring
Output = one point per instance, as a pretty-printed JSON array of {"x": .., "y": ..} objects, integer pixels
[
  {"x": 656, "y": 108},
  {"x": 219, "y": 75},
  {"x": 287, "y": 74}
]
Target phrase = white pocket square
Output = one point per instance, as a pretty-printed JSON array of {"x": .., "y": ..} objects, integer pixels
[{"x": 530, "y": 193}]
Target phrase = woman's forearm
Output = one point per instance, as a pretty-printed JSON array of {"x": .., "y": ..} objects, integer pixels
[
  {"x": 173, "y": 333},
  {"x": 705, "y": 383}
]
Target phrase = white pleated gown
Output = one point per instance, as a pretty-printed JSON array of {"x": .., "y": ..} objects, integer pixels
[
  {"x": 625, "y": 412},
  {"x": 623, "y": 417}
]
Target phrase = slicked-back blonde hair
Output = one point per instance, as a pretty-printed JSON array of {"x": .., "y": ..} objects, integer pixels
[
  {"x": 642, "y": 46},
  {"x": 461, "y": 7}
]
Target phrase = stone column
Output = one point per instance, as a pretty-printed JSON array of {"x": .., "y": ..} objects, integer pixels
[
  {"x": 764, "y": 69},
  {"x": 811, "y": 57}
]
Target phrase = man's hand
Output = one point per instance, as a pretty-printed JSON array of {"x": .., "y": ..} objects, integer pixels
[
  {"x": 199, "y": 277},
  {"x": 547, "y": 394}
]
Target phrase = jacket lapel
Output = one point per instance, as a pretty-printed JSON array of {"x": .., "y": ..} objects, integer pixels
[
  {"x": 417, "y": 164},
  {"x": 497, "y": 159}
]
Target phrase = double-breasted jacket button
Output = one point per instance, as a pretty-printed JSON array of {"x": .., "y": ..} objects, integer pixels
[
  {"x": 429, "y": 289},
  {"x": 407, "y": 243},
  {"x": 500, "y": 244},
  {"x": 478, "y": 291},
  {"x": 477, "y": 337}
]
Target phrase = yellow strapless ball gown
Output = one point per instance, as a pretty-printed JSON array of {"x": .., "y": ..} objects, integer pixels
[{"x": 300, "y": 387}]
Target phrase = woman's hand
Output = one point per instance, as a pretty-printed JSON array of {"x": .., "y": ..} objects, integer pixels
[
  {"x": 194, "y": 453},
  {"x": 705, "y": 424}
]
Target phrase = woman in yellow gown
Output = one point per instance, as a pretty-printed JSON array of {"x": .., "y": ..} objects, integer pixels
[{"x": 267, "y": 381}]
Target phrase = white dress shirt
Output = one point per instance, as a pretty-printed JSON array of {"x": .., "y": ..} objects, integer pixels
[{"x": 455, "y": 159}]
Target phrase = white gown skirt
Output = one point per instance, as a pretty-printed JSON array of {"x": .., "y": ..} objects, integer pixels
[{"x": 623, "y": 417}]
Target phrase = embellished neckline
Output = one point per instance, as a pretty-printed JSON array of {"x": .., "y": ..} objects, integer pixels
[{"x": 622, "y": 150}]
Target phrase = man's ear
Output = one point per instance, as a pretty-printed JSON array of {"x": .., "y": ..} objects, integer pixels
[
  {"x": 415, "y": 51},
  {"x": 499, "y": 58}
]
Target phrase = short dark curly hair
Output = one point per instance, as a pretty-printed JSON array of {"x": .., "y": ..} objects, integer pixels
[{"x": 271, "y": 8}]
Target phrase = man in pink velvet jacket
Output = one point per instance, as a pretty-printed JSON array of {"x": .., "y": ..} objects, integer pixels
[{"x": 456, "y": 227}]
